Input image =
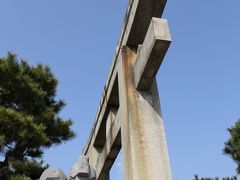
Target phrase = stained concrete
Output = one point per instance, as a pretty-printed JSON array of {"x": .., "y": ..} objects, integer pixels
[{"x": 144, "y": 145}]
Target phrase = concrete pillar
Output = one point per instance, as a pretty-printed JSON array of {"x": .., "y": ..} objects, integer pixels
[{"x": 145, "y": 153}]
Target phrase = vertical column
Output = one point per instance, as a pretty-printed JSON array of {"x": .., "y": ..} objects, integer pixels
[{"x": 144, "y": 146}]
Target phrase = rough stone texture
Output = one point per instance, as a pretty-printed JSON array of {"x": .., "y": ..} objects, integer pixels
[{"x": 53, "y": 174}]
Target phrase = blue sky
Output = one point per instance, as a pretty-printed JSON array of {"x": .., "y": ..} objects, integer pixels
[{"x": 198, "y": 81}]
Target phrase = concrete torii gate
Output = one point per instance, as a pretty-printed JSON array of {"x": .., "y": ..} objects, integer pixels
[{"x": 129, "y": 115}]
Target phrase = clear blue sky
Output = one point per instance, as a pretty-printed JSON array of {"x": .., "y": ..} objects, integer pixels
[{"x": 198, "y": 81}]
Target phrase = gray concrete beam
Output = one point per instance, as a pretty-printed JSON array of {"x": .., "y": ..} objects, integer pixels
[{"x": 152, "y": 53}]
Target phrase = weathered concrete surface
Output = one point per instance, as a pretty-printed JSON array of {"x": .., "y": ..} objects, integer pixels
[
  {"x": 53, "y": 174},
  {"x": 143, "y": 138},
  {"x": 152, "y": 53},
  {"x": 125, "y": 82}
]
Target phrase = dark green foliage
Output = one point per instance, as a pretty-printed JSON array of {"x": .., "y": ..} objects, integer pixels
[
  {"x": 226, "y": 178},
  {"x": 30, "y": 168},
  {"x": 29, "y": 118},
  {"x": 232, "y": 146},
  {"x": 196, "y": 178}
]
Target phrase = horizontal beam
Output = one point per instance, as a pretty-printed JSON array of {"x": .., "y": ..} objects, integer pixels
[{"x": 151, "y": 53}]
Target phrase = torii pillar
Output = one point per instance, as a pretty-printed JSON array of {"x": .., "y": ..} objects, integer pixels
[{"x": 143, "y": 139}]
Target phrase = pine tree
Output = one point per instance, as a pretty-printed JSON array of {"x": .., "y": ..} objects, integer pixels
[
  {"x": 29, "y": 118},
  {"x": 232, "y": 146},
  {"x": 216, "y": 178}
]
